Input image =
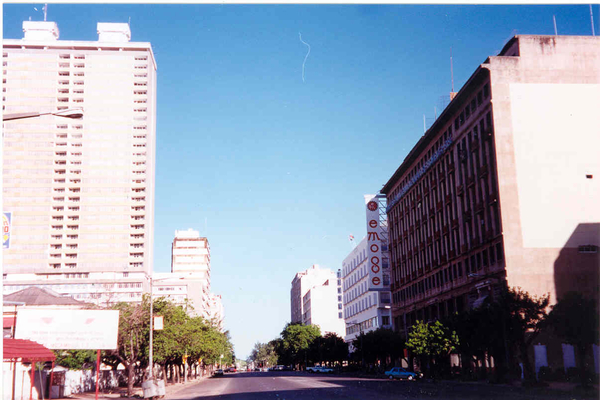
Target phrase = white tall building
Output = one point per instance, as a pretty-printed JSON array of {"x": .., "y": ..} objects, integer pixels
[
  {"x": 79, "y": 194},
  {"x": 367, "y": 306},
  {"x": 316, "y": 299}
]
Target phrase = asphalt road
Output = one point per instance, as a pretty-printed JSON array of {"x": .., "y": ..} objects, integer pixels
[{"x": 297, "y": 385}]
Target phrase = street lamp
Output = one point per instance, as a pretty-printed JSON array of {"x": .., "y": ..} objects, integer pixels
[{"x": 73, "y": 113}]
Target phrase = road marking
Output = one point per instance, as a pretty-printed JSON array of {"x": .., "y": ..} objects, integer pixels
[{"x": 310, "y": 382}]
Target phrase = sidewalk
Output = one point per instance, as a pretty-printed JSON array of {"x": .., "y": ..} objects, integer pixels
[{"x": 170, "y": 388}]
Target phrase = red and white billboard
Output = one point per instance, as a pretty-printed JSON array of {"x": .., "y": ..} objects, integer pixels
[
  {"x": 69, "y": 329},
  {"x": 374, "y": 245}
]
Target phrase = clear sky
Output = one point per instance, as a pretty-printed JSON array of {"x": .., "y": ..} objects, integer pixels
[{"x": 271, "y": 167}]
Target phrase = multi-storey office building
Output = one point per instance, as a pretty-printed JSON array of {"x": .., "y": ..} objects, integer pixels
[
  {"x": 322, "y": 306},
  {"x": 503, "y": 188},
  {"x": 366, "y": 306},
  {"x": 316, "y": 298},
  {"x": 79, "y": 193},
  {"x": 189, "y": 279}
]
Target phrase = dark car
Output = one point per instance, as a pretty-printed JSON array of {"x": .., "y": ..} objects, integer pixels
[{"x": 218, "y": 372}]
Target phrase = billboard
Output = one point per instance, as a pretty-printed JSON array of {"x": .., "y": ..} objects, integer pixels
[
  {"x": 374, "y": 238},
  {"x": 69, "y": 329},
  {"x": 6, "y": 223}
]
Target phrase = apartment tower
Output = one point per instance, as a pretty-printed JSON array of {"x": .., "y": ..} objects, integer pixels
[{"x": 79, "y": 193}]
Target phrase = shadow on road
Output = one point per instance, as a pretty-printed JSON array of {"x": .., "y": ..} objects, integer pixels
[{"x": 325, "y": 387}]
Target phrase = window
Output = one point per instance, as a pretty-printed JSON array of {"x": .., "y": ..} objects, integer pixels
[
  {"x": 588, "y": 249},
  {"x": 499, "y": 251},
  {"x": 125, "y": 274}
]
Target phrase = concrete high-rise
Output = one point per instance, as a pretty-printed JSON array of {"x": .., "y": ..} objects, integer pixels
[
  {"x": 503, "y": 189},
  {"x": 79, "y": 193}
]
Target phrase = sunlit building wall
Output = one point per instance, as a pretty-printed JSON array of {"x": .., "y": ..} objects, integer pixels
[
  {"x": 503, "y": 189},
  {"x": 79, "y": 193}
]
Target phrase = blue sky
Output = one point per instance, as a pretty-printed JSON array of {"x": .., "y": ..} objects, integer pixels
[{"x": 271, "y": 168}]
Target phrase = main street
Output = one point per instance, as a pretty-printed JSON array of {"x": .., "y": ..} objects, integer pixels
[{"x": 296, "y": 386}]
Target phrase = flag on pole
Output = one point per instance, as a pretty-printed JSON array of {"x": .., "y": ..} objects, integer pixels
[{"x": 351, "y": 238}]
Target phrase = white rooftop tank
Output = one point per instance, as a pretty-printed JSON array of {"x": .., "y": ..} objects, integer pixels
[
  {"x": 40, "y": 30},
  {"x": 113, "y": 32}
]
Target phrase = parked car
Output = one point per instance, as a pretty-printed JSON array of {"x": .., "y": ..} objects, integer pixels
[
  {"x": 218, "y": 372},
  {"x": 401, "y": 373},
  {"x": 232, "y": 369},
  {"x": 319, "y": 369}
]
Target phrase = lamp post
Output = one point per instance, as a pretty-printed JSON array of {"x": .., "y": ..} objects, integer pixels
[{"x": 73, "y": 113}]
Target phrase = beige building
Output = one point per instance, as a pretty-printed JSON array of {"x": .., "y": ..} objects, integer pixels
[
  {"x": 189, "y": 279},
  {"x": 79, "y": 192},
  {"x": 316, "y": 299},
  {"x": 503, "y": 188}
]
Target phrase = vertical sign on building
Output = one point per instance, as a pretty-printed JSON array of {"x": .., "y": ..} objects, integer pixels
[
  {"x": 6, "y": 221},
  {"x": 374, "y": 251}
]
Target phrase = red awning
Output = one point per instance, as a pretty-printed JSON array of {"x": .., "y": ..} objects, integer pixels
[
  {"x": 26, "y": 350},
  {"x": 8, "y": 321}
]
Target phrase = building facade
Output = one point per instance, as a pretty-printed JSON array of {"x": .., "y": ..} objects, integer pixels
[
  {"x": 316, "y": 299},
  {"x": 367, "y": 307},
  {"x": 78, "y": 194},
  {"x": 503, "y": 189}
]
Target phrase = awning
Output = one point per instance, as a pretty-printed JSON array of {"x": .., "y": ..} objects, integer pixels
[{"x": 26, "y": 351}]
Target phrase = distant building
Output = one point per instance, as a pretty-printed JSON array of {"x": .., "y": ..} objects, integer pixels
[
  {"x": 316, "y": 299},
  {"x": 216, "y": 311},
  {"x": 368, "y": 306},
  {"x": 189, "y": 279},
  {"x": 78, "y": 194},
  {"x": 503, "y": 189}
]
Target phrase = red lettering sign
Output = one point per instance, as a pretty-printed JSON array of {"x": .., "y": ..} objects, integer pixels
[
  {"x": 376, "y": 281},
  {"x": 375, "y": 268},
  {"x": 375, "y": 260},
  {"x": 373, "y": 236},
  {"x": 374, "y": 248},
  {"x": 373, "y": 223},
  {"x": 372, "y": 206}
]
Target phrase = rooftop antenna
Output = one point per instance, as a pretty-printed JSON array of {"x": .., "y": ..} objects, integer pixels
[
  {"x": 45, "y": 11},
  {"x": 555, "y": 31},
  {"x": 452, "y": 93},
  {"x": 129, "y": 22},
  {"x": 451, "y": 70},
  {"x": 424, "y": 126},
  {"x": 592, "y": 18}
]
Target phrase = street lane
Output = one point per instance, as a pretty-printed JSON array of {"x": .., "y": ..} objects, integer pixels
[{"x": 303, "y": 386}]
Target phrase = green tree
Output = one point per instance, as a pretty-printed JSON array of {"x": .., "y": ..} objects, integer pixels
[
  {"x": 575, "y": 319},
  {"x": 525, "y": 318},
  {"x": 75, "y": 359},
  {"x": 295, "y": 341},
  {"x": 431, "y": 341},
  {"x": 133, "y": 338},
  {"x": 264, "y": 354},
  {"x": 379, "y": 344}
]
